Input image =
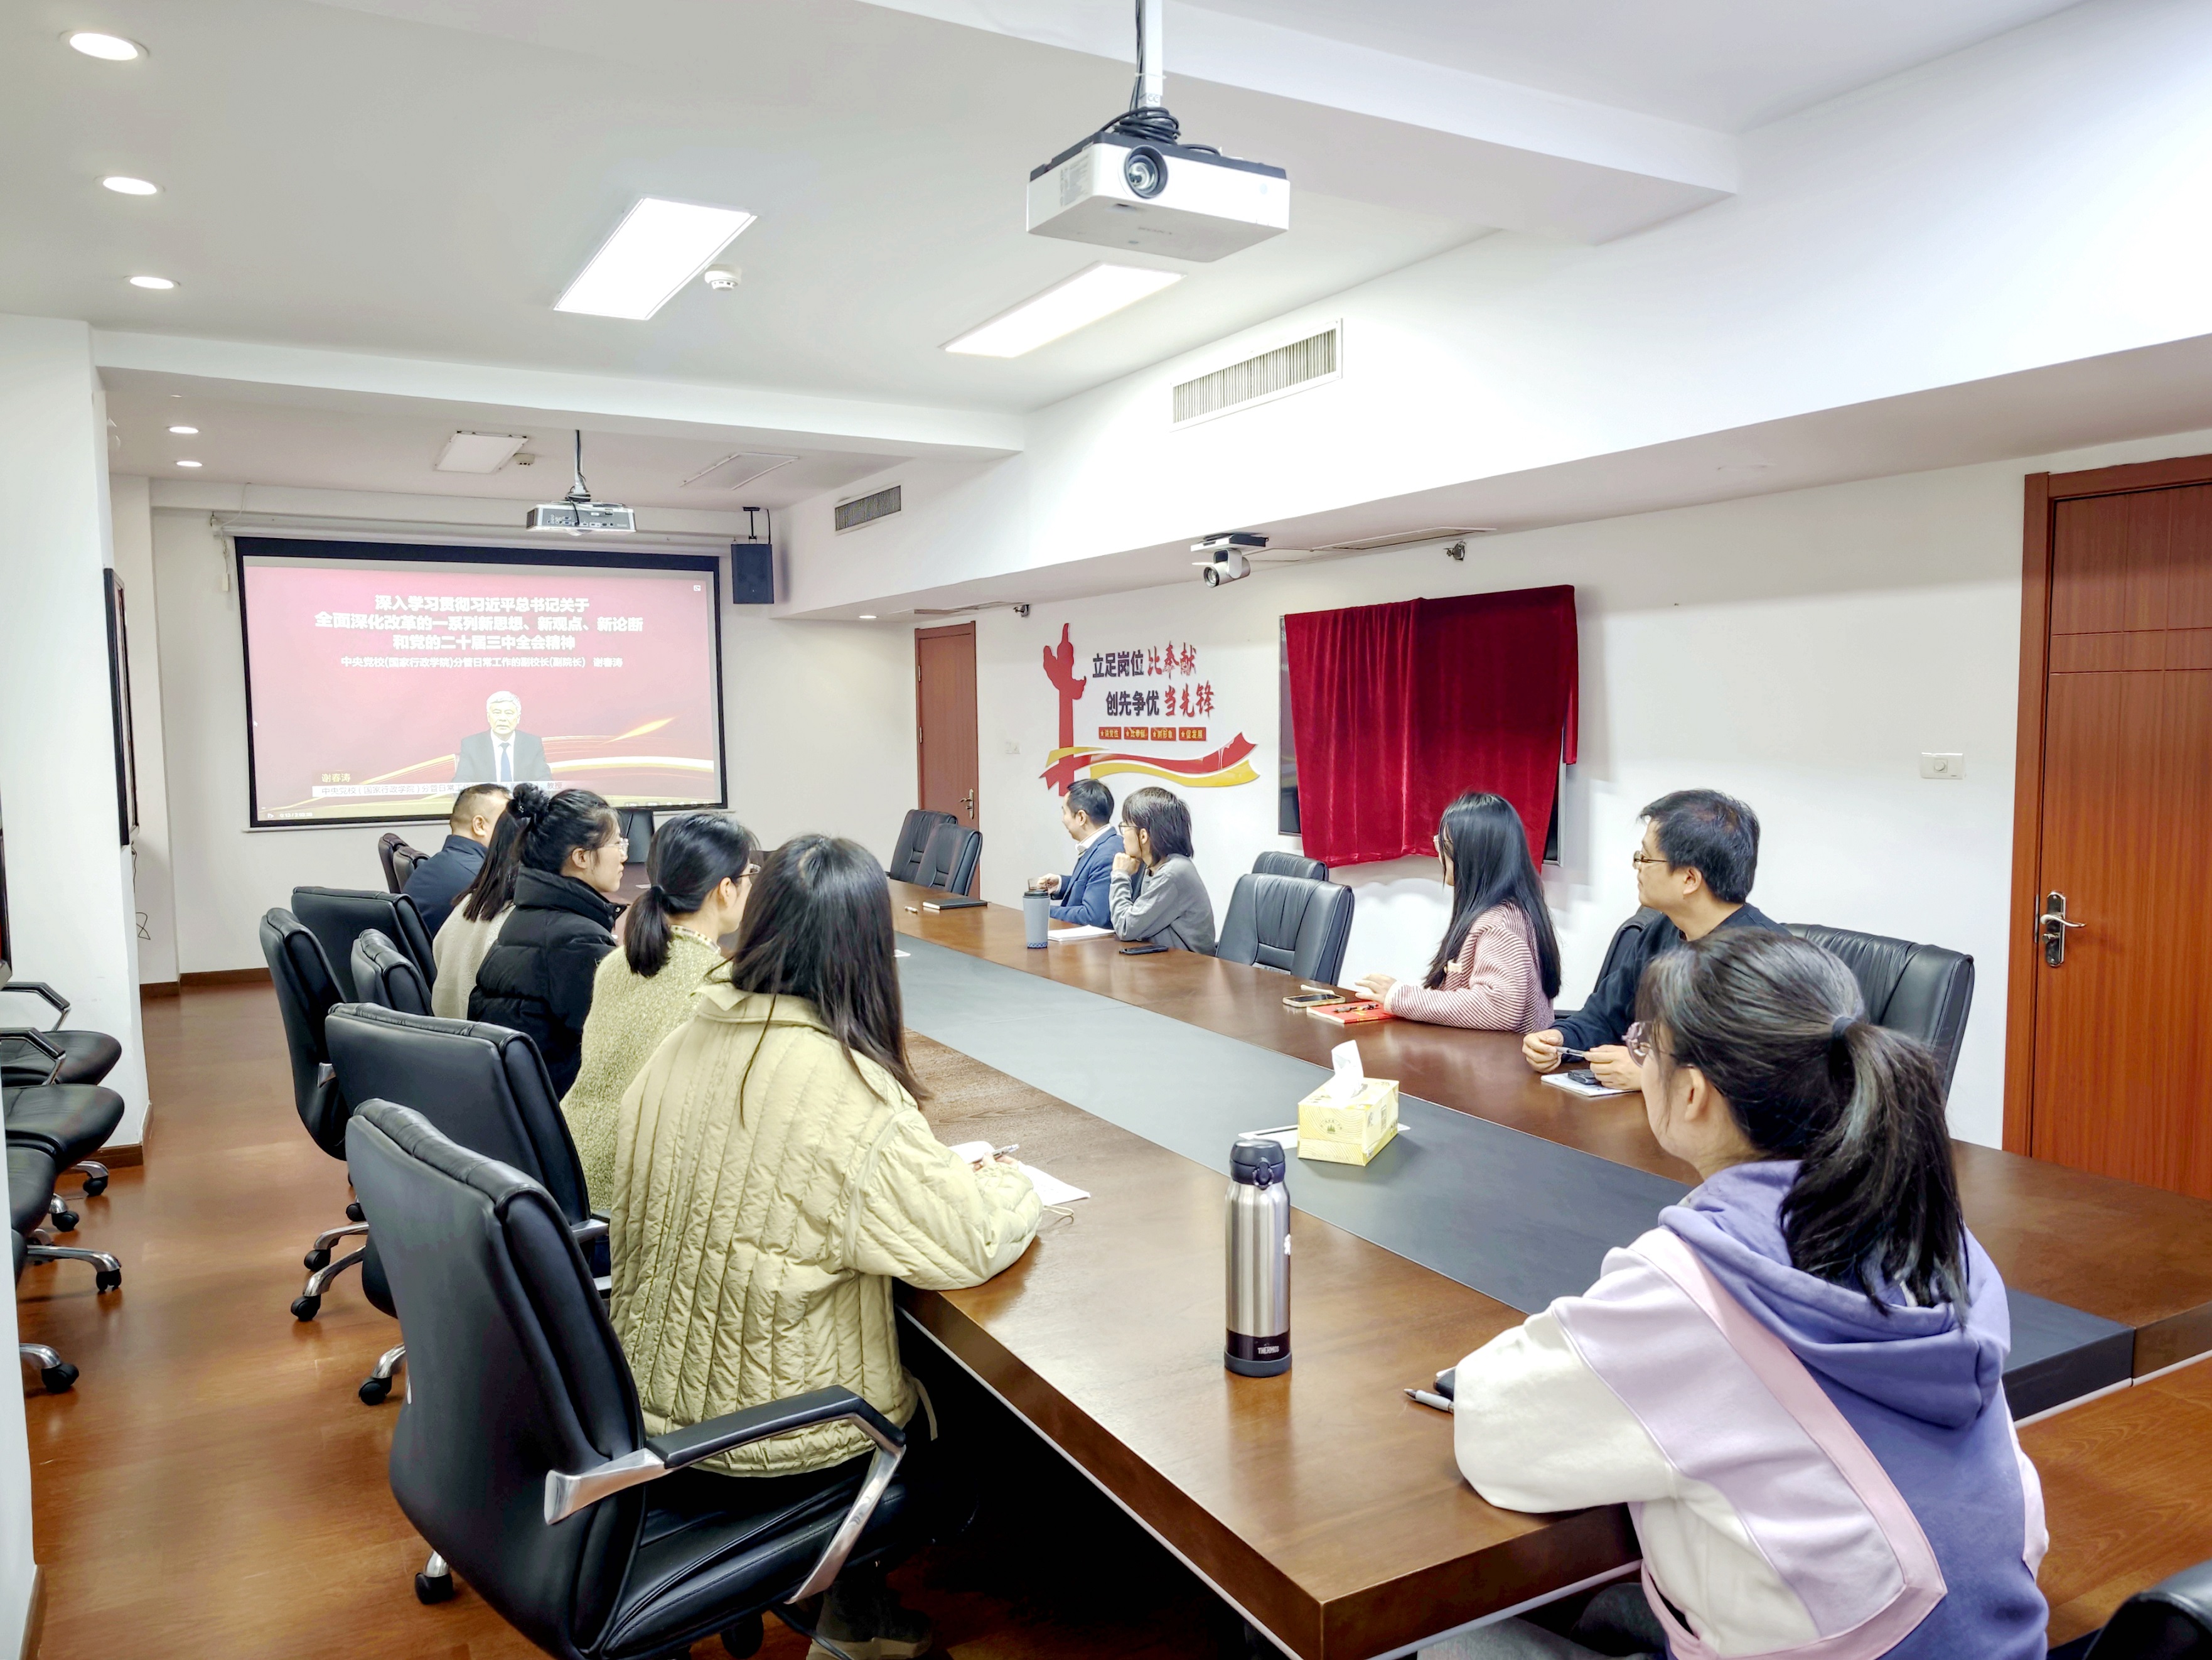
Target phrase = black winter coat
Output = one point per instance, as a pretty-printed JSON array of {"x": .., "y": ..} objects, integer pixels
[{"x": 536, "y": 977}]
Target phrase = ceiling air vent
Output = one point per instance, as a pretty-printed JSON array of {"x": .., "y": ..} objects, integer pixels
[
  {"x": 866, "y": 509},
  {"x": 735, "y": 471},
  {"x": 1272, "y": 374}
]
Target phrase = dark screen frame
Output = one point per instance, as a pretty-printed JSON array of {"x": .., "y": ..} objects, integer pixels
[{"x": 455, "y": 553}]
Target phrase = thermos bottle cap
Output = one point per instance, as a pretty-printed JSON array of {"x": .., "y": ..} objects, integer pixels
[{"x": 1257, "y": 1160}]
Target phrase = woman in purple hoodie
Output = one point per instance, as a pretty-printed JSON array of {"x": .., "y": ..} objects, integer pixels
[{"x": 1794, "y": 1382}]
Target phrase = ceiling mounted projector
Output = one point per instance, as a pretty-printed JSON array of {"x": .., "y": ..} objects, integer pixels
[
  {"x": 576, "y": 513},
  {"x": 1226, "y": 557},
  {"x": 1133, "y": 184}
]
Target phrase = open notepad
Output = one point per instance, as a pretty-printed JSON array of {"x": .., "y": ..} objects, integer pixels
[
  {"x": 1080, "y": 931},
  {"x": 1049, "y": 1189}
]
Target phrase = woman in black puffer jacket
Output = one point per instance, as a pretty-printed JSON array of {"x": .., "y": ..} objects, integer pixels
[{"x": 536, "y": 978}]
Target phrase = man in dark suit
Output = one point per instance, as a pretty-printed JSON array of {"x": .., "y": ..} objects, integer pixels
[
  {"x": 439, "y": 881},
  {"x": 1084, "y": 896},
  {"x": 504, "y": 755}
]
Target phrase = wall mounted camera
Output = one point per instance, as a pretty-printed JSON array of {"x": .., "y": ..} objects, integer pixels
[{"x": 1225, "y": 557}]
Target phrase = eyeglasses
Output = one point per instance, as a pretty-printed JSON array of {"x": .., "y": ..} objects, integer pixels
[
  {"x": 1639, "y": 859},
  {"x": 1639, "y": 1040}
]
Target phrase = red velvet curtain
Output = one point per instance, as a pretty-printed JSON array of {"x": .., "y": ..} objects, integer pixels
[{"x": 1395, "y": 710}]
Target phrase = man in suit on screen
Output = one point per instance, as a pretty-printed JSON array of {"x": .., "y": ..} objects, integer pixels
[{"x": 504, "y": 755}]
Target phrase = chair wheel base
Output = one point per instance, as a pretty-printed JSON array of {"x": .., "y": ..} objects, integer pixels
[
  {"x": 742, "y": 1639},
  {"x": 107, "y": 1279},
  {"x": 438, "y": 1589},
  {"x": 307, "y": 1307},
  {"x": 58, "y": 1379},
  {"x": 94, "y": 1186},
  {"x": 374, "y": 1391},
  {"x": 354, "y": 1211},
  {"x": 65, "y": 1221},
  {"x": 314, "y": 1260}
]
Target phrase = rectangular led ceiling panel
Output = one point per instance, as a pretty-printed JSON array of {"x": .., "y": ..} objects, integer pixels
[{"x": 658, "y": 248}]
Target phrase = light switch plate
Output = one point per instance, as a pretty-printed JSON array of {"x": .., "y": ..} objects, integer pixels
[{"x": 1935, "y": 765}]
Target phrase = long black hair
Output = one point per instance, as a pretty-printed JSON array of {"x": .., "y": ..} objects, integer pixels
[
  {"x": 692, "y": 855},
  {"x": 818, "y": 925},
  {"x": 540, "y": 829},
  {"x": 1491, "y": 867},
  {"x": 1778, "y": 1027}
]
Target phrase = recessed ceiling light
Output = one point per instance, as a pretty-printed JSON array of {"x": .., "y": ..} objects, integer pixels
[
  {"x": 112, "y": 48},
  {"x": 123, "y": 184},
  {"x": 151, "y": 282},
  {"x": 478, "y": 452},
  {"x": 188, "y": 464},
  {"x": 658, "y": 248},
  {"x": 867, "y": 616},
  {"x": 1094, "y": 292},
  {"x": 186, "y": 432}
]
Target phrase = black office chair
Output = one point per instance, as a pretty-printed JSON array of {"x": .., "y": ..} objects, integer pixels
[
  {"x": 905, "y": 862},
  {"x": 1625, "y": 940},
  {"x": 385, "y": 975},
  {"x": 31, "y": 1055},
  {"x": 1287, "y": 922},
  {"x": 521, "y": 1457},
  {"x": 482, "y": 1086},
  {"x": 1923, "y": 991},
  {"x": 30, "y": 1185},
  {"x": 336, "y": 916},
  {"x": 69, "y": 1123},
  {"x": 948, "y": 860},
  {"x": 305, "y": 994},
  {"x": 397, "y": 858},
  {"x": 1290, "y": 864},
  {"x": 2171, "y": 1620},
  {"x": 31, "y": 1172},
  {"x": 637, "y": 829}
]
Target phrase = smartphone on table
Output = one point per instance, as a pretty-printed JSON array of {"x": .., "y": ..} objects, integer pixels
[{"x": 1143, "y": 948}]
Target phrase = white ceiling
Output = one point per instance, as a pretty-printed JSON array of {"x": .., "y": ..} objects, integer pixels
[{"x": 1727, "y": 65}]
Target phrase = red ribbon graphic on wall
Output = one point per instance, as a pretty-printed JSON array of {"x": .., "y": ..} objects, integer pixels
[{"x": 1227, "y": 765}]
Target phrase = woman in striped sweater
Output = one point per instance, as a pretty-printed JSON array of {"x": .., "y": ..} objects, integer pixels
[{"x": 1497, "y": 969}]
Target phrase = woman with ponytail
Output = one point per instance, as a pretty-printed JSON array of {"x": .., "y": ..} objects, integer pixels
[
  {"x": 458, "y": 950},
  {"x": 566, "y": 864},
  {"x": 1794, "y": 1380},
  {"x": 702, "y": 867}
]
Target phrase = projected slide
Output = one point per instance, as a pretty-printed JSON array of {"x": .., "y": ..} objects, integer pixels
[{"x": 380, "y": 679}]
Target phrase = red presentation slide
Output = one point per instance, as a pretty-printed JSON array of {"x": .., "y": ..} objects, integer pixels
[{"x": 378, "y": 684}]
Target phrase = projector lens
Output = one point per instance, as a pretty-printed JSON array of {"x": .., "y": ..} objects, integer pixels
[{"x": 1145, "y": 171}]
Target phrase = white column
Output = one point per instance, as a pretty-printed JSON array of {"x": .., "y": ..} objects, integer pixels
[
  {"x": 152, "y": 868},
  {"x": 72, "y": 915}
]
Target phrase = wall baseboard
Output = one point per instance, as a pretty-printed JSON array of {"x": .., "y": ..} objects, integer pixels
[
  {"x": 35, "y": 1617},
  {"x": 121, "y": 1155},
  {"x": 225, "y": 978},
  {"x": 154, "y": 988}
]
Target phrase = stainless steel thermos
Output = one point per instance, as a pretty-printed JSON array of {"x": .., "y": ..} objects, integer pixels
[{"x": 1258, "y": 1258}]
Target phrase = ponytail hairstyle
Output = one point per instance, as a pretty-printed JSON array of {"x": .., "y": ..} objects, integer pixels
[
  {"x": 1778, "y": 1028},
  {"x": 559, "y": 823},
  {"x": 692, "y": 855},
  {"x": 818, "y": 925},
  {"x": 1489, "y": 850},
  {"x": 493, "y": 891}
]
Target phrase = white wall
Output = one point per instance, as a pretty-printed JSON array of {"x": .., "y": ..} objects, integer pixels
[
  {"x": 2038, "y": 199},
  {"x": 152, "y": 876},
  {"x": 1798, "y": 650},
  {"x": 816, "y": 717}
]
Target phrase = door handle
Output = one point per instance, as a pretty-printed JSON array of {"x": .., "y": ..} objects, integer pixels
[
  {"x": 971, "y": 813},
  {"x": 2052, "y": 925}
]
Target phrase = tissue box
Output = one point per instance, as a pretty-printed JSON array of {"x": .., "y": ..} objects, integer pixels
[{"x": 1348, "y": 1132}]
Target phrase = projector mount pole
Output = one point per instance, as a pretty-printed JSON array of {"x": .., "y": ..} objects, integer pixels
[
  {"x": 1151, "y": 91},
  {"x": 577, "y": 492}
]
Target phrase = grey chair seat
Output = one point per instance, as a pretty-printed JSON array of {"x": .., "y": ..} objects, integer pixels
[
  {"x": 87, "y": 1057},
  {"x": 68, "y": 1121},
  {"x": 31, "y": 1172}
]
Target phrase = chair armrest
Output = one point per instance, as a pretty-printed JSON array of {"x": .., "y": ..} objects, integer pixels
[
  {"x": 585, "y": 1232},
  {"x": 40, "y": 988},
  {"x": 39, "y": 1041}
]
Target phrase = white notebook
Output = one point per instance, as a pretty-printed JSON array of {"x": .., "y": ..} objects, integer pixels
[
  {"x": 1589, "y": 1091},
  {"x": 1080, "y": 931},
  {"x": 1050, "y": 1188}
]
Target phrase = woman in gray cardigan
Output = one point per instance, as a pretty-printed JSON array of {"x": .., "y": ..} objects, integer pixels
[{"x": 1172, "y": 907}]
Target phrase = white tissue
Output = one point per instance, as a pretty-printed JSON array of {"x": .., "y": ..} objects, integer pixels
[{"x": 1349, "y": 1075}]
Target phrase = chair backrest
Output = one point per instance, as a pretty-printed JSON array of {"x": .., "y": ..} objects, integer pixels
[
  {"x": 483, "y": 1086},
  {"x": 950, "y": 858},
  {"x": 1290, "y": 864},
  {"x": 305, "y": 994},
  {"x": 385, "y": 975},
  {"x": 1924, "y": 991},
  {"x": 2171, "y": 1620},
  {"x": 1287, "y": 922},
  {"x": 905, "y": 864},
  {"x": 337, "y": 916},
  {"x": 1625, "y": 940},
  {"x": 513, "y": 1371},
  {"x": 636, "y": 829},
  {"x": 397, "y": 858}
]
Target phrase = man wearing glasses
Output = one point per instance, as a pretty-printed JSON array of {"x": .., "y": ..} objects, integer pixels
[{"x": 1695, "y": 866}]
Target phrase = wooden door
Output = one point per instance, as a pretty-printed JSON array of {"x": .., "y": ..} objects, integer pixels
[
  {"x": 944, "y": 718},
  {"x": 2116, "y": 1071}
]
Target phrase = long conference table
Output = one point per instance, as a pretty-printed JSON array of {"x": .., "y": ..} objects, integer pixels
[{"x": 1323, "y": 1504}]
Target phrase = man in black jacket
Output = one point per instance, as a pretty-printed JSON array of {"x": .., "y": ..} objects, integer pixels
[
  {"x": 439, "y": 879},
  {"x": 1694, "y": 866}
]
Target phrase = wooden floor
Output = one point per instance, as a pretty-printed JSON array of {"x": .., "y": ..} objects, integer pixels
[{"x": 213, "y": 1488}]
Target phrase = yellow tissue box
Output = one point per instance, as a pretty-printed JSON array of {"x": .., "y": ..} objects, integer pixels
[{"x": 1349, "y": 1132}]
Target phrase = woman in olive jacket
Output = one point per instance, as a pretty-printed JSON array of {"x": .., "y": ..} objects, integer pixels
[{"x": 536, "y": 978}]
